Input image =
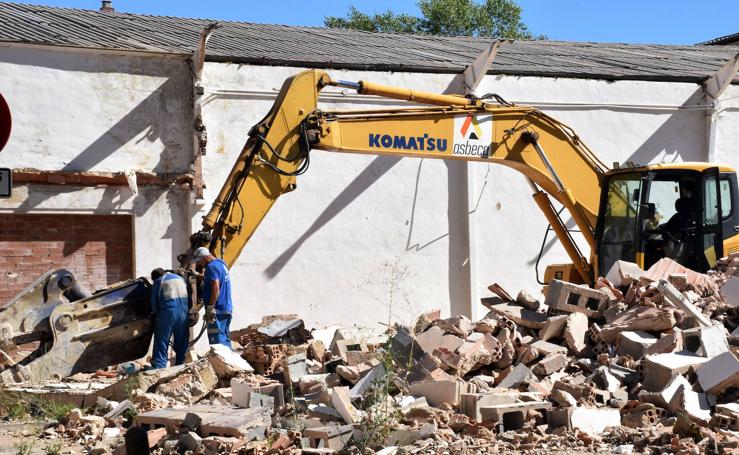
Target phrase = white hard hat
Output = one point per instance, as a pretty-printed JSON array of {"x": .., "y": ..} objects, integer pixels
[{"x": 200, "y": 253}]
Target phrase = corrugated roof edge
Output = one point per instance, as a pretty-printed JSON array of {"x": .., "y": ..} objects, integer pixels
[
  {"x": 541, "y": 71},
  {"x": 433, "y": 69}
]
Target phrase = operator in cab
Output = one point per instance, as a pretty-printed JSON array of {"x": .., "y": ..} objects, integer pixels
[
  {"x": 169, "y": 303},
  {"x": 216, "y": 293}
]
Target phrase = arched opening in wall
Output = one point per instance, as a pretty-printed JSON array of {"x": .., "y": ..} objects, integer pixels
[{"x": 97, "y": 249}]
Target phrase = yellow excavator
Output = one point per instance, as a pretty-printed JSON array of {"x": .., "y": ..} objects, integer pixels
[{"x": 684, "y": 211}]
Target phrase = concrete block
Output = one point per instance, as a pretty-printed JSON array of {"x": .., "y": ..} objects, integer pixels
[
  {"x": 594, "y": 421},
  {"x": 435, "y": 338},
  {"x": 605, "y": 380},
  {"x": 670, "y": 342},
  {"x": 642, "y": 415},
  {"x": 553, "y": 327},
  {"x": 190, "y": 441},
  {"x": 719, "y": 373},
  {"x": 661, "y": 368},
  {"x": 705, "y": 341},
  {"x": 240, "y": 392},
  {"x": 550, "y": 363},
  {"x": 635, "y": 343},
  {"x": 574, "y": 298},
  {"x": 342, "y": 403},
  {"x": 576, "y": 331},
  {"x": 438, "y": 392},
  {"x": 669, "y": 397},
  {"x": 226, "y": 362},
  {"x": 624, "y": 273},
  {"x": 545, "y": 348},
  {"x": 296, "y": 367},
  {"x": 367, "y": 381},
  {"x": 334, "y": 438},
  {"x": 511, "y": 416},
  {"x": 730, "y": 291},
  {"x": 518, "y": 375},
  {"x": 324, "y": 412},
  {"x": 470, "y": 403},
  {"x": 562, "y": 398},
  {"x": 696, "y": 405}
]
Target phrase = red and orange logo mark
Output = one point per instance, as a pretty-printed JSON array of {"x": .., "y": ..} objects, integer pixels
[{"x": 475, "y": 133}]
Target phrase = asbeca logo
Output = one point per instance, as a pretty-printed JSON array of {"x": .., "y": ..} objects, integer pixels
[{"x": 473, "y": 135}]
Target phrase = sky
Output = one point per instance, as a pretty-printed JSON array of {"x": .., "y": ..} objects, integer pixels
[{"x": 621, "y": 21}]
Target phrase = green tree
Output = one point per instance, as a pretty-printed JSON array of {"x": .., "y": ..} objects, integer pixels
[{"x": 488, "y": 18}]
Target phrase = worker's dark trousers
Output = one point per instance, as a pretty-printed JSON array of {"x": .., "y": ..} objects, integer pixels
[
  {"x": 170, "y": 322},
  {"x": 219, "y": 328}
]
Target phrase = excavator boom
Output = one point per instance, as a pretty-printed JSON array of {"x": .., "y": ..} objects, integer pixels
[{"x": 548, "y": 153}]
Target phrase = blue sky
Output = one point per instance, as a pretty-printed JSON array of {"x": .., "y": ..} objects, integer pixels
[{"x": 624, "y": 21}]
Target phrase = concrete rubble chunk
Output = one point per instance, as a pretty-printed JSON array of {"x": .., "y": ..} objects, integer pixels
[
  {"x": 661, "y": 368},
  {"x": 341, "y": 401},
  {"x": 639, "y": 318},
  {"x": 705, "y": 341},
  {"x": 527, "y": 301},
  {"x": 545, "y": 348},
  {"x": 438, "y": 392},
  {"x": 662, "y": 269},
  {"x": 730, "y": 291},
  {"x": 553, "y": 327},
  {"x": 575, "y": 332},
  {"x": 594, "y": 421},
  {"x": 191, "y": 383},
  {"x": 624, "y": 273},
  {"x": 517, "y": 376},
  {"x": 435, "y": 338},
  {"x": 696, "y": 405},
  {"x": 669, "y": 342},
  {"x": 551, "y": 363},
  {"x": 521, "y": 316},
  {"x": 719, "y": 373},
  {"x": 563, "y": 398},
  {"x": 634, "y": 343},
  {"x": 226, "y": 362}
]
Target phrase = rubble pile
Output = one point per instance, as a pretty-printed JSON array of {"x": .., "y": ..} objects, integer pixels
[{"x": 643, "y": 362}]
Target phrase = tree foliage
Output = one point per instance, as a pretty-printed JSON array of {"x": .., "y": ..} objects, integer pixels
[{"x": 486, "y": 18}]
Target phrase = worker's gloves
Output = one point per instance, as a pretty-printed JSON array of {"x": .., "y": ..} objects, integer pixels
[{"x": 210, "y": 314}]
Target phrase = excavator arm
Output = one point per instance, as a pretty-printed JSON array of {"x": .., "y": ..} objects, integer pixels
[{"x": 548, "y": 153}]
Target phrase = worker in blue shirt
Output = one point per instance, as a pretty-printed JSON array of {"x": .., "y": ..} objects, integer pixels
[
  {"x": 216, "y": 293},
  {"x": 169, "y": 303}
]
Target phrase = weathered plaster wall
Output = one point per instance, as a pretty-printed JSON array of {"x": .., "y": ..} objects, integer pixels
[
  {"x": 77, "y": 111},
  {"x": 727, "y": 128},
  {"x": 83, "y": 110},
  {"x": 321, "y": 247}
]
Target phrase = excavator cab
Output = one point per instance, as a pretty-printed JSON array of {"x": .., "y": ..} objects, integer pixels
[{"x": 685, "y": 212}]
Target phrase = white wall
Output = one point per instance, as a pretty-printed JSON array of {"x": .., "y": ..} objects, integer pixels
[
  {"x": 319, "y": 246},
  {"x": 82, "y": 111},
  {"x": 87, "y": 111}
]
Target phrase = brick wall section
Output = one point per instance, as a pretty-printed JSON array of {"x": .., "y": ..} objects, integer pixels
[{"x": 96, "y": 248}]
